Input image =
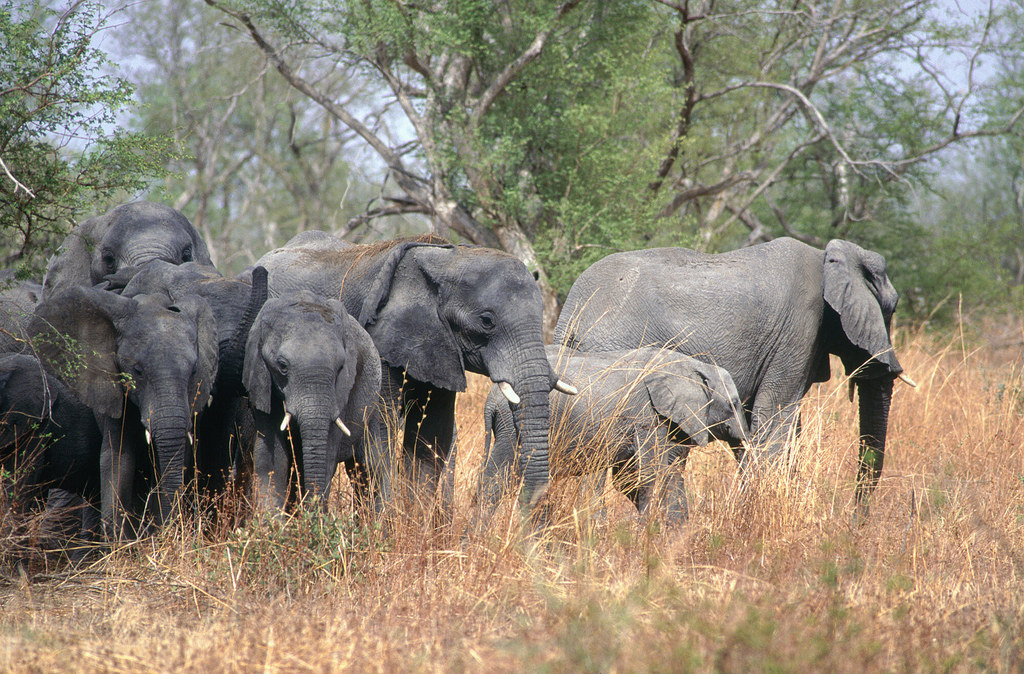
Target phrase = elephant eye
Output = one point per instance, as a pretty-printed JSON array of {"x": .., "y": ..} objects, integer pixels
[
  {"x": 282, "y": 365},
  {"x": 186, "y": 255},
  {"x": 109, "y": 261},
  {"x": 487, "y": 320}
]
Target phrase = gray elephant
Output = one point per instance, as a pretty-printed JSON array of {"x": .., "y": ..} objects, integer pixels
[
  {"x": 769, "y": 314},
  {"x": 313, "y": 379},
  {"x": 18, "y": 298},
  {"x": 48, "y": 438},
  {"x": 125, "y": 236},
  {"x": 435, "y": 310},
  {"x": 638, "y": 411},
  {"x": 235, "y": 304},
  {"x": 145, "y": 365}
]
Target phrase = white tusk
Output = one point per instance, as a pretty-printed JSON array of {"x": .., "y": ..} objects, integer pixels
[
  {"x": 287, "y": 418},
  {"x": 566, "y": 387},
  {"x": 342, "y": 426},
  {"x": 149, "y": 438},
  {"x": 907, "y": 380},
  {"x": 508, "y": 392},
  {"x": 191, "y": 441}
]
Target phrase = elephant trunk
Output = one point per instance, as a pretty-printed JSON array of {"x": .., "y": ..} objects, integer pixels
[
  {"x": 232, "y": 358},
  {"x": 535, "y": 413},
  {"x": 315, "y": 413},
  {"x": 875, "y": 397},
  {"x": 170, "y": 430}
]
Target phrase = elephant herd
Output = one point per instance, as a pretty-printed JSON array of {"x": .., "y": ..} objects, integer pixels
[{"x": 135, "y": 369}]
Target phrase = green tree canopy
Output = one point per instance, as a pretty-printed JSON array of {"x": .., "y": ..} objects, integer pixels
[{"x": 61, "y": 155}]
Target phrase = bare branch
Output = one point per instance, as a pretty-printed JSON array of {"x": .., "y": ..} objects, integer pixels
[
  {"x": 17, "y": 183},
  {"x": 535, "y": 49}
]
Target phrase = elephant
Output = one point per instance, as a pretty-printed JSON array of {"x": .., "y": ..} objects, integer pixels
[
  {"x": 17, "y": 301},
  {"x": 638, "y": 412},
  {"x": 145, "y": 365},
  {"x": 769, "y": 314},
  {"x": 435, "y": 310},
  {"x": 313, "y": 379},
  {"x": 235, "y": 304},
  {"x": 48, "y": 438},
  {"x": 127, "y": 235}
]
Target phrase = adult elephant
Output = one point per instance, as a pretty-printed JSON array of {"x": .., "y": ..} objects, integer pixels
[
  {"x": 145, "y": 365},
  {"x": 637, "y": 411},
  {"x": 48, "y": 438},
  {"x": 313, "y": 378},
  {"x": 434, "y": 311},
  {"x": 125, "y": 236},
  {"x": 769, "y": 314},
  {"x": 235, "y": 304}
]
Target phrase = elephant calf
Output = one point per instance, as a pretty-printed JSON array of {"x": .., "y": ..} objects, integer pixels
[
  {"x": 313, "y": 377},
  {"x": 637, "y": 411}
]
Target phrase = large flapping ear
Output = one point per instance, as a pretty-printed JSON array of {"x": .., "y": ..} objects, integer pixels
[
  {"x": 683, "y": 397},
  {"x": 855, "y": 285},
  {"x": 255, "y": 376},
  {"x": 74, "y": 335},
  {"x": 406, "y": 326},
  {"x": 380, "y": 288}
]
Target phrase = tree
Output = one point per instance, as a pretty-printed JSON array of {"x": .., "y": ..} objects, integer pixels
[
  {"x": 259, "y": 161},
  {"x": 453, "y": 69},
  {"x": 58, "y": 157},
  {"x": 834, "y": 110}
]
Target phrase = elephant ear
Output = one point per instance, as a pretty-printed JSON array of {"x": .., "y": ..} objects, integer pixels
[
  {"x": 681, "y": 395},
  {"x": 401, "y": 315},
  {"x": 207, "y": 345},
  {"x": 74, "y": 336},
  {"x": 359, "y": 383},
  {"x": 255, "y": 376},
  {"x": 73, "y": 262},
  {"x": 855, "y": 285}
]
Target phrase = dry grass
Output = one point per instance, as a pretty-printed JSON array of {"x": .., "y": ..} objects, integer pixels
[{"x": 777, "y": 578}]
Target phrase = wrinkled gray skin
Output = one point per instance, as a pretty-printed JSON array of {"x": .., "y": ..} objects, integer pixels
[
  {"x": 769, "y": 314},
  {"x": 235, "y": 304},
  {"x": 637, "y": 411},
  {"x": 125, "y": 236},
  {"x": 145, "y": 363},
  {"x": 306, "y": 356},
  {"x": 434, "y": 310},
  {"x": 48, "y": 438},
  {"x": 17, "y": 301}
]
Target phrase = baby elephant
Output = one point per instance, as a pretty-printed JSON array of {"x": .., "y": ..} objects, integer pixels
[
  {"x": 637, "y": 411},
  {"x": 313, "y": 379}
]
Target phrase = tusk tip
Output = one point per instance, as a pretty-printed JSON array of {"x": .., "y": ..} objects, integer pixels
[
  {"x": 343, "y": 427},
  {"x": 286, "y": 421},
  {"x": 509, "y": 392},
  {"x": 566, "y": 388},
  {"x": 907, "y": 380}
]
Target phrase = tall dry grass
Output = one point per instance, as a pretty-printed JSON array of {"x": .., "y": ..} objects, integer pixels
[{"x": 776, "y": 577}]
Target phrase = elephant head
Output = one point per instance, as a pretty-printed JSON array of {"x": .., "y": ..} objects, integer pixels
[
  {"x": 127, "y": 235},
  {"x": 437, "y": 311},
  {"x": 701, "y": 399},
  {"x": 857, "y": 290},
  {"x": 148, "y": 360},
  {"x": 309, "y": 365}
]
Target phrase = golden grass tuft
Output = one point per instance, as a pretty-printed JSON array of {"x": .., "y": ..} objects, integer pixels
[{"x": 777, "y": 576}]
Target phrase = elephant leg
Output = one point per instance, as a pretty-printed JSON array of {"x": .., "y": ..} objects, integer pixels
[
  {"x": 272, "y": 469},
  {"x": 117, "y": 478},
  {"x": 429, "y": 432},
  {"x": 661, "y": 488},
  {"x": 772, "y": 424}
]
